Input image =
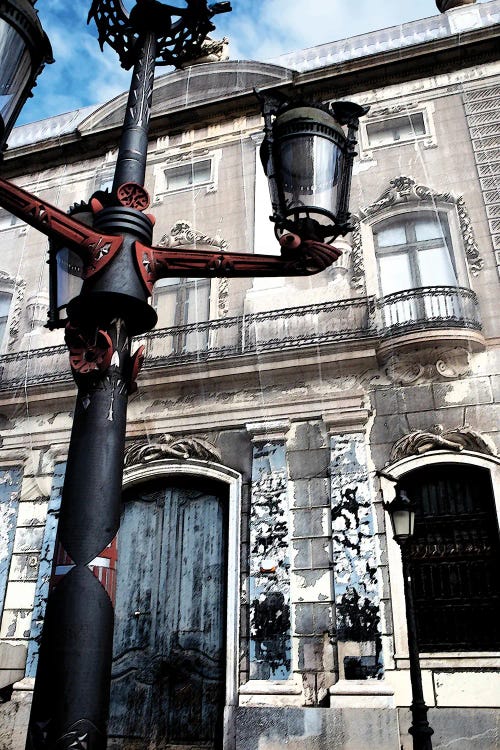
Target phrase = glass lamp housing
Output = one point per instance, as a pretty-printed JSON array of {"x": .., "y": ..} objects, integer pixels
[
  {"x": 309, "y": 151},
  {"x": 402, "y": 514},
  {"x": 307, "y": 155},
  {"x": 24, "y": 49},
  {"x": 66, "y": 280}
]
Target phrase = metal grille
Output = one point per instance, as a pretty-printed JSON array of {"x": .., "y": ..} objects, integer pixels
[{"x": 455, "y": 559}]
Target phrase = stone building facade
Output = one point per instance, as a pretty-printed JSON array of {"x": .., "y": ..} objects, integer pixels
[{"x": 267, "y": 409}]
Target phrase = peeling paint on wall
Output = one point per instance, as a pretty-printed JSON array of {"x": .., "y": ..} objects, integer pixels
[
  {"x": 10, "y": 485},
  {"x": 45, "y": 569},
  {"x": 355, "y": 558},
  {"x": 270, "y": 636}
]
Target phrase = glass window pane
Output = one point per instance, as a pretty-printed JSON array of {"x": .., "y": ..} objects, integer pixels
[
  {"x": 396, "y": 129},
  {"x": 435, "y": 267},
  {"x": 428, "y": 229},
  {"x": 395, "y": 273},
  {"x": 187, "y": 175},
  {"x": 392, "y": 235},
  {"x": 165, "y": 303},
  {"x": 5, "y": 299}
]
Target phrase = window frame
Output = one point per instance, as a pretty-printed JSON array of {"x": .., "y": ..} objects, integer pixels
[
  {"x": 413, "y": 246},
  {"x": 384, "y": 114},
  {"x": 179, "y": 161},
  {"x": 395, "y": 646}
]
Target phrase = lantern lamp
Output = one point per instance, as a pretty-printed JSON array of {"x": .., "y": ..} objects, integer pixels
[
  {"x": 307, "y": 155},
  {"x": 402, "y": 514},
  {"x": 24, "y": 50}
]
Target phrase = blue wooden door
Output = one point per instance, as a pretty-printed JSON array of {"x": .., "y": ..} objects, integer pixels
[{"x": 169, "y": 661}]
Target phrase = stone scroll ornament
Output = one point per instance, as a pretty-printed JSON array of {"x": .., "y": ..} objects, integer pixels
[
  {"x": 437, "y": 438},
  {"x": 168, "y": 446}
]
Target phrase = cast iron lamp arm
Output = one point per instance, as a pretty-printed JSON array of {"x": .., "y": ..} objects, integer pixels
[
  {"x": 97, "y": 248},
  {"x": 304, "y": 260}
]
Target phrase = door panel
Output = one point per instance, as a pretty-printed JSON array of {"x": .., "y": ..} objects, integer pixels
[{"x": 169, "y": 660}]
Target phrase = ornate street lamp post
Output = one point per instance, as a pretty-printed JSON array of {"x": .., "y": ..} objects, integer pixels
[
  {"x": 402, "y": 515},
  {"x": 24, "y": 50},
  {"x": 102, "y": 271}
]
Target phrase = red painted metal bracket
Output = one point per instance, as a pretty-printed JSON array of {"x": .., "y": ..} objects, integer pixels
[
  {"x": 98, "y": 249},
  {"x": 304, "y": 259}
]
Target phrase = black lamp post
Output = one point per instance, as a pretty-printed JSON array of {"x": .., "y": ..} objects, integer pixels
[
  {"x": 402, "y": 514},
  {"x": 24, "y": 50},
  {"x": 102, "y": 270}
]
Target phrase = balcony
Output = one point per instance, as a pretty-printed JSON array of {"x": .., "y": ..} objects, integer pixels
[
  {"x": 425, "y": 316},
  {"x": 434, "y": 314}
]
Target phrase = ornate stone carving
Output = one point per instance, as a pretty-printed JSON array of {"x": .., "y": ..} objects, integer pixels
[
  {"x": 167, "y": 446},
  {"x": 357, "y": 264},
  {"x": 17, "y": 308},
  {"x": 223, "y": 297},
  {"x": 404, "y": 190},
  {"x": 212, "y": 50},
  {"x": 182, "y": 233},
  {"x": 437, "y": 438},
  {"x": 432, "y": 364}
]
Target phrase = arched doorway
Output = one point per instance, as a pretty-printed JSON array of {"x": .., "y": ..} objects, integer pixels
[
  {"x": 454, "y": 557},
  {"x": 168, "y": 680}
]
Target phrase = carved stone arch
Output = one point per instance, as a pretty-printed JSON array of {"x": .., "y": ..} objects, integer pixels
[
  {"x": 138, "y": 472},
  {"x": 436, "y": 437},
  {"x": 405, "y": 191},
  {"x": 398, "y": 470}
]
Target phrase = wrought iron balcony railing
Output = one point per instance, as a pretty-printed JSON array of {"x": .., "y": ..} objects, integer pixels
[
  {"x": 322, "y": 324},
  {"x": 428, "y": 308},
  {"x": 295, "y": 327}
]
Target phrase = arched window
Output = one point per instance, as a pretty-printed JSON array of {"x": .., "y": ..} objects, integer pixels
[
  {"x": 455, "y": 558},
  {"x": 414, "y": 250}
]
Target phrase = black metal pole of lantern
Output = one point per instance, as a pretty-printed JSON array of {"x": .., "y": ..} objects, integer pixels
[
  {"x": 71, "y": 695},
  {"x": 107, "y": 243},
  {"x": 402, "y": 515}
]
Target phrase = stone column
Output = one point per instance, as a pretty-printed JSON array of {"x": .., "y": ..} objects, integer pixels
[
  {"x": 355, "y": 561},
  {"x": 269, "y": 589}
]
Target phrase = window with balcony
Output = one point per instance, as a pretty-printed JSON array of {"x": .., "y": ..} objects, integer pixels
[
  {"x": 183, "y": 307},
  {"x": 417, "y": 272}
]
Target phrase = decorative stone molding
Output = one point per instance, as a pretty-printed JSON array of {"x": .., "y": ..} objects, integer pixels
[
  {"x": 167, "y": 446},
  {"x": 223, "y": 297},
  {"x": 357, "y": 263},
  {"x": 37, "y": 306},
  {"x": 17, "y": 288},
  {"x": 212, "y": 50},
  {"x": 405, "y": 190},
  {"x": 437, "y": 438},
  {"x": 481, "y": 111},
  {"x": 182, "y": 233},
  {"x": 432, "y": 364},
  {"x": 268, "y": 432}
]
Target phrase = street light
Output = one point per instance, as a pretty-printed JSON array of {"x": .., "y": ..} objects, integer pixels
[
  {"x": 307, "y": 155},
  {"x": 402, "y": 514},
  {"x": 102, "y": 268},
  {"x": 24, "y": 50}
]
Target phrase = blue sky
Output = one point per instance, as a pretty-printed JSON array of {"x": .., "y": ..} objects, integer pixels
[{"x": 257, "y": 29}]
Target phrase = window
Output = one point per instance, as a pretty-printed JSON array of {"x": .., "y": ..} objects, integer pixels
[
  {"x": 188, "y": 175},
  {"x": 183, "y": 304},
  {"x": 5, "y": 300},
  {"x": 414, "y": 253},
  {"x": 8, "y": 220},
  {"x": 455, "y": 558},
  {"x": 404, "y": 128}
]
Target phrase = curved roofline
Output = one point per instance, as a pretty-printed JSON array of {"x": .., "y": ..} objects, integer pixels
[{"x": 194, "y": 86}]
